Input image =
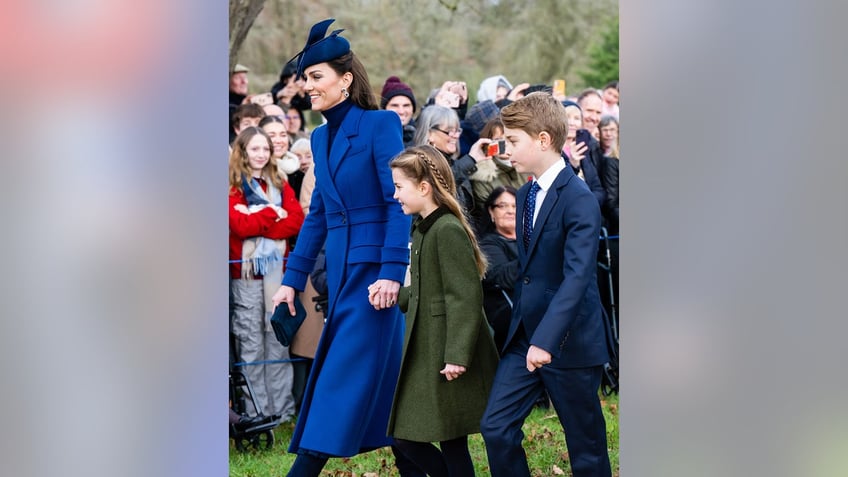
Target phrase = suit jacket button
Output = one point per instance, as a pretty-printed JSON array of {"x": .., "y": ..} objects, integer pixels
[{"x": 526, "y": 280}]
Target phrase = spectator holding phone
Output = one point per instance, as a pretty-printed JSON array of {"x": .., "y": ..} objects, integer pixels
[{"x": 494, "y": 174}]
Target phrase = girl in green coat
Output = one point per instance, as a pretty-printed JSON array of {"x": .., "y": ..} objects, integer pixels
[{"x": 449, "y": 356}]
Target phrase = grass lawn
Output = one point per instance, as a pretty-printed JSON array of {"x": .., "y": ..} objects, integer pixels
[{"x": 543, "y": 442}]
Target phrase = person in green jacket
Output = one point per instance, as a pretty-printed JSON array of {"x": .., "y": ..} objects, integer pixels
[{"x": 449, "y": 355}]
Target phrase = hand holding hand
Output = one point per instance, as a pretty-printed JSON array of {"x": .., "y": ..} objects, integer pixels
[
  {"x": 383, "y": 293},
  {"x": 452, "y": 371}
]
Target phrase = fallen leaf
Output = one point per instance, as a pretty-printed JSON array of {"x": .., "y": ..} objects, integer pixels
[{"x": 558, "y": 471}]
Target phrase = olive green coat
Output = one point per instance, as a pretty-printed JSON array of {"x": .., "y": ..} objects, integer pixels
[{"x": 445, "y": 323}]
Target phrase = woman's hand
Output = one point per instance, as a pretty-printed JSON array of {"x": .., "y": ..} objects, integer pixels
[
  {"x": 285, "y": 294},
  {"x": 383, "y": 293},
  {"x": 578, "y": 152},
  {"x": 478, "y": 149},
  {"x": 452, "y": 371}
]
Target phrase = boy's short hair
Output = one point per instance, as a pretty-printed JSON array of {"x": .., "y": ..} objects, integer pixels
[
  {"x": 249, "y": 110},
  {"x": 535, "y": 113}
]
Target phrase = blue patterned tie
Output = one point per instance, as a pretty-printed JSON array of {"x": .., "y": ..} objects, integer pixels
[{"x": 529, "y": 209}]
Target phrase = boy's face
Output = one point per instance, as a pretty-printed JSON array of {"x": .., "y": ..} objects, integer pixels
[{"x": 522, "y": 150}]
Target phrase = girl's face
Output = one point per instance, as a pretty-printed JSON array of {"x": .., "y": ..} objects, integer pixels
[
  {"x": 575, "y": 121},
  {"x": 258, "y": 154},
  {"x": 445, "y": 138},
  {"x": 503, "y": 214},
  {"x": 409, "y": 193},
  {"x": 324, "y": 86},
  {"x": 611, "y": 96},
  {"x": 279, "y": 137}
]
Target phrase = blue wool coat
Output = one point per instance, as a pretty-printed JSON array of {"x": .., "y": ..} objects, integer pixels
[{"x": 349, "y": 392}]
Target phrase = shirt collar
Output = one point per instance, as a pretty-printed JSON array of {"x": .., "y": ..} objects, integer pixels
[{"x": 547, "y": 178}]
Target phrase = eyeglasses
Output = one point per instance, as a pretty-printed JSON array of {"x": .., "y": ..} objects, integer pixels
[
  {"x": 456, "y": 131},
  {"x": 502, "y": 205}
]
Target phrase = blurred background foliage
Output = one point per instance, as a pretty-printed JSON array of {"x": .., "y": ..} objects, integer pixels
[{"x": 426, "y": 42}]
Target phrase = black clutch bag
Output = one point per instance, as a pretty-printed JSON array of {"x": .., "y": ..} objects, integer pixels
[{"x": 286, "y": 325}]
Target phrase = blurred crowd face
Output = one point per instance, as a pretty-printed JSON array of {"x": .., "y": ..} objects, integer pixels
[
  {"x": 238, "y": 83},
  {"x": 305, "y": 159},
  {"x": 591, "y": 106},
  {"x": 611, "y": 96},
  {"x": 258, "y": 154},
  {"x": 503, "y": 214},
  {"x": 609, "y": 134},
  {"x": 293, "y": 120},
  {"x": 575, "y": 122},
  {"x": 444, "y": 138},
  {"x": 279, "y": 137},
  {"x": 402, "y": 106},
  {"x": 500, "y": 93}
]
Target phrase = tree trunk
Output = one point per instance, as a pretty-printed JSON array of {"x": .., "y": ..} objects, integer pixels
[{"x": 242, "y": 15}]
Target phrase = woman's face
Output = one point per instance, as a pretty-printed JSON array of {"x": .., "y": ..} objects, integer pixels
[
  {"x": 293, "y": 118},
  {"x": 503, "y": 214},
  {"x": 258, "y": 154},
  {"x": 279, "y": 137},
  {"x": 324, "y": 86},
  {"x": 305, "y": 159},
  {"x": 575, "y": 121},
  {"x": 444, "y": 138},
  {"x": 609, "y": 134}
]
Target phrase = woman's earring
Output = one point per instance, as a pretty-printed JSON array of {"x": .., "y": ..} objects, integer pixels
[{"x": 345, "y": 93}]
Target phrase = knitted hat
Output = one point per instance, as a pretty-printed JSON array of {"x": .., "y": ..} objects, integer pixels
[
  {"x": 319, "y": 49},
  {"x": 395, "y": 87},
  {"x": 480, "y": 114},
  {"x": 240, "y": 68}
]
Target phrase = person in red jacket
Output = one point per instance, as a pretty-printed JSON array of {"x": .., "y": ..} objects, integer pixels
[{"x": 264, "y": 212}]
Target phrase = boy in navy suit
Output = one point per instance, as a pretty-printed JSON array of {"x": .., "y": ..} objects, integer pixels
[{"x": 556, "y": 339}]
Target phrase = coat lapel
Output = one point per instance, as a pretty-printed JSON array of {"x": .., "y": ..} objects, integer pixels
[{"x": 344, "y": 138}]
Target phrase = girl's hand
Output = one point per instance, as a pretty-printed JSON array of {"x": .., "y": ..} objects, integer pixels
[
  {"x": 383, "y": 293},
  {"x": 284, "y": 295},
  {"x": 452, "y": 371},
  {"x": 241, "y": 208}
]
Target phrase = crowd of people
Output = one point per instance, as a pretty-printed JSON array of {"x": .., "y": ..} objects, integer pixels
[{"x": 457, "y": 243}]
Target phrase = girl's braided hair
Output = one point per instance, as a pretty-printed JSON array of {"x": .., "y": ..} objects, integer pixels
[{"x": 427, "y": 164}]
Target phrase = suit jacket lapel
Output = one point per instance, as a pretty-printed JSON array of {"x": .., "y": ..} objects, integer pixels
[{"x": 551, "y": 198}]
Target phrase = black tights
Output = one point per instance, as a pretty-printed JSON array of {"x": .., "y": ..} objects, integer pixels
[
  {"x": 307, "y": 466},
  {"x": 453, "y": 460}
]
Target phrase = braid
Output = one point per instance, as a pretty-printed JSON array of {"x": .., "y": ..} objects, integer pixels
[{"x": 436, "y": 172}]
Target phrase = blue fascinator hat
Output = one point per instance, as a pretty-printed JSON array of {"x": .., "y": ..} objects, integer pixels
[{"x": 319, "y": 48}]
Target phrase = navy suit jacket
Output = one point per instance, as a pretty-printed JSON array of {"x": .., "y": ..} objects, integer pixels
[{"x": 556, "y": 295}]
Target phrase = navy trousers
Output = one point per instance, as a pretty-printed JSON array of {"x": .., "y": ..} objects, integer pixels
[{"x": 574, "y": 394}]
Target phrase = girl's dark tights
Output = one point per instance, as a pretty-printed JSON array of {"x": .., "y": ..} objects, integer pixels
[
  {"x": 453, "y": 460},
  {"x": 307, "y": 466}
]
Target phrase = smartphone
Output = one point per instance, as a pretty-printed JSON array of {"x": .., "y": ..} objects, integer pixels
[
  {"x": 559, "y": 88},
  {"x": 453, "y": 99},
  {"x": 496, "y": 148},
  {"x": 262, "y": 99}
]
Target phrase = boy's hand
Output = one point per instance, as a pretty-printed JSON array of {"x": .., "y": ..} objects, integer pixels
[{"x": 536, "y": 358}]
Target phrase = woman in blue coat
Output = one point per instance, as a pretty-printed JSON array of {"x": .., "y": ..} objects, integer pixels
[{"x": 349, "y": 392}]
